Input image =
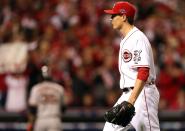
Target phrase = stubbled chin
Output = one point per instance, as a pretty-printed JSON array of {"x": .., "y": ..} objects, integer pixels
[{"x": 114, "y": 27}]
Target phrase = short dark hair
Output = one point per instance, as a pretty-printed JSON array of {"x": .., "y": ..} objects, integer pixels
[{"x": 130, "y": 20}]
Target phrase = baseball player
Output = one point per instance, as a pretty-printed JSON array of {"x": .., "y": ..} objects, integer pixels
[
  {"x": 47, "y": 96},
  {"x": 137, "y": 74}
]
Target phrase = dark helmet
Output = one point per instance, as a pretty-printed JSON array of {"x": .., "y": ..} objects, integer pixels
[{"x": 45, "y": 73}]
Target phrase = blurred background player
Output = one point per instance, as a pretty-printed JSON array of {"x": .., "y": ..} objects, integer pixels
[{"x": 46, "y": 103}]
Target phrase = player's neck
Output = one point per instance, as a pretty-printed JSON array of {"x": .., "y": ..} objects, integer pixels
[{"x": 126, "y": 28}]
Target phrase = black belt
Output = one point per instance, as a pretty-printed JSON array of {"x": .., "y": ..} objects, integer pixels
[
  {"x": 126, "y": 89},
  {"x": 150, "y": 83}
]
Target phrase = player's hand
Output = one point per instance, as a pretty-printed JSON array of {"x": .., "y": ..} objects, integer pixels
[{"x": 29, "y": 127}]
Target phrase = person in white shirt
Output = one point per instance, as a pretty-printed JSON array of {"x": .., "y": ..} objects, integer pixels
[
  {"x": 16, "y": 92},
  {"x": 137, "y": 71}
]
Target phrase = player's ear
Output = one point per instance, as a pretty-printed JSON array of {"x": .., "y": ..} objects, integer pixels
[{"x": 124, "y": 18}]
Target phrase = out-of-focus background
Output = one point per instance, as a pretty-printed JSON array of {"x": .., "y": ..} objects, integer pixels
[{"x": 76, "y": 40}]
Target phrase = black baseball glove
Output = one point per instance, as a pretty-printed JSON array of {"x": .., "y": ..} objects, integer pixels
[{"x": 120, "y": 114}]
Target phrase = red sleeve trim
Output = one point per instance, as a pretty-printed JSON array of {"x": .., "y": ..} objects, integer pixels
[{"x": 143, "y": 73}]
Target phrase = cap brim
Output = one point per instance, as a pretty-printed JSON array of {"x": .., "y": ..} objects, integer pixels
[{"x": 110, "y": 12}]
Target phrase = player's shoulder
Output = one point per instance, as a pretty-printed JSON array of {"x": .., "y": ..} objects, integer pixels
[
  {"x": 40, "y": 85},
  {"x": 139, "y": 34},
  {"x": 48, "y": 84},
  {"x": 54, "y": 85},
  {"x": 36, "y": 87},
  {"x": 141, "y": 37}
]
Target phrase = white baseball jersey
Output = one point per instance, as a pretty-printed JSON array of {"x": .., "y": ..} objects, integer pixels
[
  {"x": 135, "y": 51},
  {"x": 47, "y": 96}
]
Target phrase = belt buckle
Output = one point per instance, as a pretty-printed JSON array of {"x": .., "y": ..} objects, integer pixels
[
  {"x": 151, "y": 83},
  {"x": 125, "y": 89}
]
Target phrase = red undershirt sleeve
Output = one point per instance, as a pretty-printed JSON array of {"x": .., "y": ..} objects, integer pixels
[{"x": 143, "y": 73}]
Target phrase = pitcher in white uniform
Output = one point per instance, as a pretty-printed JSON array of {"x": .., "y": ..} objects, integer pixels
[{"x": 137, "y": 71}]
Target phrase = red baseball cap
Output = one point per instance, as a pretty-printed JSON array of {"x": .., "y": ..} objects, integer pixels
[{"x": 122, "y": 8}]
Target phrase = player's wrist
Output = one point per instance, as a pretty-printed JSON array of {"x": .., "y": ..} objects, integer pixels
[{"x": 131, "y": 101}]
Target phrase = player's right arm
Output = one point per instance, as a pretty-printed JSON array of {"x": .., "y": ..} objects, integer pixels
[
  {"x": 143, "y": 74},
  {"x": 32, "y": 108}
]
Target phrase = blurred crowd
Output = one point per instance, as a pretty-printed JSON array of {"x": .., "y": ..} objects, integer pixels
[{"x": 75, "y": 39}]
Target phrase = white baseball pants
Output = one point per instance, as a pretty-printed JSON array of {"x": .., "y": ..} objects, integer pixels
[
  {"x": 48, "y": 124},
  {"x": 146, "y": 107}
]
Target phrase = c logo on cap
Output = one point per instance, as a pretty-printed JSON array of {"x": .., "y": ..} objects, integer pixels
[{"x": 122, "y": 11}]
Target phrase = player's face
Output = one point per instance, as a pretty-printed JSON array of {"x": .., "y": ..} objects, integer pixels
[{"x": 117, "y": 21}]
